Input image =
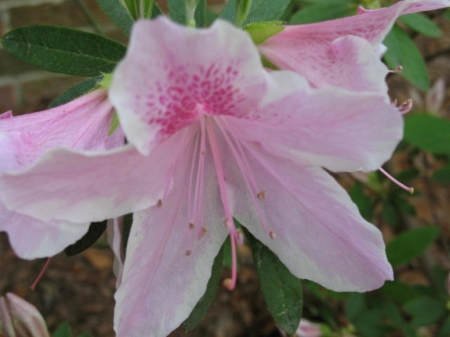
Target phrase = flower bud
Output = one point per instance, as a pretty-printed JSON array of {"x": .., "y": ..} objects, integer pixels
[{"x": 18, "y": 318}]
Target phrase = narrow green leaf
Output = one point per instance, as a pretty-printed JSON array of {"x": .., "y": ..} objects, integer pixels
[
  {"x": 356, "y": 304},
  {"x": 425, "y": 310},
  {"x": 64, "y": 50},
  {"x": 402, "y": 51},
  {"x": 442, "y": 175},
  {"x": 428, "y": 133},
  {"x": 422, "y": 24},
  {"x": 205, "y": 302},
  {"x": 76, "y": 91},
  {"x": 200, "y": 14},
  {"x": 117, "y": 13},
  {"x": 282, "y": 290},
  {"x": 261, "y": 10},
  {"x": 177, "y": 10},
  {"x": 410, "y": 245},
  {"x": 63, "y": 330},
  {"x": 133, "y": 8},
  {"x": 364, "y": 203},
  {"x": 321, "y": 12},
  {"x": 261, "y": 31},
  {"x": 96, "y": 229}
]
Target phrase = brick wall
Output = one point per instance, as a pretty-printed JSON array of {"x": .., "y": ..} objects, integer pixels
[{"x": 25, "y": 88}]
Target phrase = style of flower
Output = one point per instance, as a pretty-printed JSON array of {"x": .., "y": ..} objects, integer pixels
[
  {"x": 343, "y": 52},
  {"x": 19, "y": 318},
  {"x": 212, "y": 136},
  {"x": 82, "y": 124}
]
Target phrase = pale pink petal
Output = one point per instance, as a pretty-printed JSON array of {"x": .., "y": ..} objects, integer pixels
[
  {"x": 319, "y": 233},
  {"x": 26, "y": 318},
  {"x": 7, "y": 114},
  {"x": 167, "y": 264},
  {"x": 32, "y": 239},
  {"x": 82, "y": 124},
  {"x": 6, "y": 324},
  {"x": 312, "y": 51},
  {"x": 329, "y": 127},
  {"x": 92, "y": 186},
  {"x": 114, "y": 234},
  {"x": 170, "y": 77}
]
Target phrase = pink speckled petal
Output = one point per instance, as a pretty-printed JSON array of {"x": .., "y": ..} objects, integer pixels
[
  {"x": 172, "y": 75},
  {"x": 168, "y": 264},
  {"x": 329, "y": 127},
  {"x": 92, "y": 186},
  {"x": 319, "y": 233},
  {"x": 82, "y": 124},
  {"x": 296, "y": 47}
]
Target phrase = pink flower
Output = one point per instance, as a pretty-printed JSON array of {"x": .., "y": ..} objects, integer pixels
[
  {"x": 18, "y": 318},
  {"x": 306, "y": 329},
  {"x": 82, "y": 124},
  {"x": 344, "y": 52},
  {"x": 211, "y": 137}
]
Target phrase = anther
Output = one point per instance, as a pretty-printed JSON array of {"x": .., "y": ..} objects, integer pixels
[
  {"x": 159, "y": 204},
  {"x": 396, "y": 70},
  {"x": 272, "y": 235},
  {"x": 228, "y": 283},
  {"x": 261, "y": 194}
]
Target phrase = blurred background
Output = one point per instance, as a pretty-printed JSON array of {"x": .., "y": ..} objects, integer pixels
[{"x": 79, "y": 290}]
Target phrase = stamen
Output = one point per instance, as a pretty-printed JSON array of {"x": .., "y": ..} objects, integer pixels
[
  {"x": 35, "y": 283},
  {"x": 261, "y": 194},
  {"x": 395, "y": 181},
  {"x": 396, "y": 70}
]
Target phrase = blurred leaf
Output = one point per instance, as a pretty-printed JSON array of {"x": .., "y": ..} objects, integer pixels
[
  {"x": 428, "y": 133},
  {"x": 177, "y": 10},
  {"x": 63, "y": 330},
  {"x": 445, "y": 329},
  {"x": 425, "y": 310},
  {"x": 410, "y": 245},
  {"x": 422, "y": 24},
  {"x": 96, "y": 230},
  {"x": 399, "y": 291},
  {"x": 150, "y": 8},
  {"x": 321, "y": 12},
  {"x": 442, "y": 175},
  {"x": 370, "y": 323},
  {"x": 261, "y": 31},
  {"x": 64, "y": 50},
  {"x": 402, "y": 51},
  {"x": 261, "y": 10},
  {"x": 117, "y": 13},
  {"x": 389, "y": 214},
  {"x": 282, "y": 291},
  {"x": 205, "y": 302},
  {"x": 76, "y": 91},
  {"x": 200, "y": 14},
  {"x": 356, "y": 304},
  {"x": 364, "y": 203},
  {"x": 404, "y": 205}
]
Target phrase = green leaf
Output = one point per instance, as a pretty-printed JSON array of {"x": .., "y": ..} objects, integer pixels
[
  {"x": 364, "y": 203},
  {"x": 428, "y": 133},
  {"x": 200, "y": 14},
  {"x": 422, "y": 24},
  {"x": 133, "y": 8},
  {"x": 64, "y": 50},
  {"x": 425, "y": 310},
  {"x": 389, "y": 214},
  {"x": 211, "y": 289},
  {"x": 356, "y": 304},
  {"x": 399, "y": 291},
  {"x": 282, "y": 290},
  {"x": 117, "y": 13},
  {"x": 442, "y": 175},
  {"x": 445, "y": 329},
  {"x": 261, "y": 31},
  {"x": 261, "y": 10},
  {"x": 177, "y": 9},
  {"x": 63, "y": 330},
  {"x": 150, "y": 9},
  {"x": 76, "y": 91},
  {"x": 402, "y": 51},
  {"x": 321, "y": 12},
  {"x": 96, "y": 229},
  {"x": 410, "y": 245}
]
